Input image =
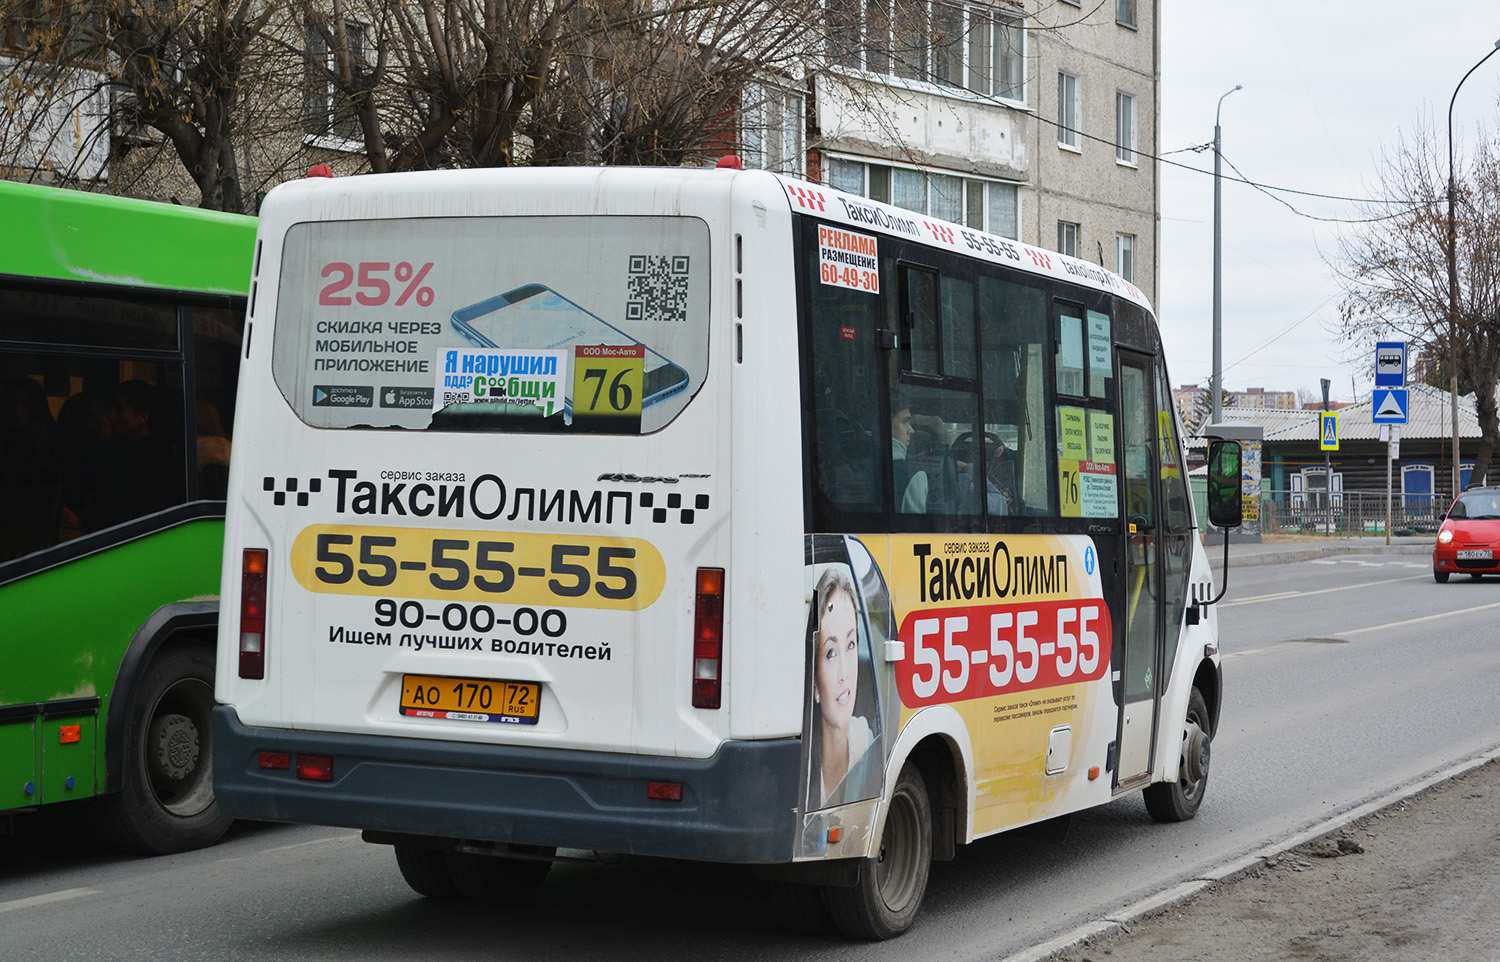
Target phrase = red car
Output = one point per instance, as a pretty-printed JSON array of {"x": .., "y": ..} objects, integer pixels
[{"x": 1469, "y": 540}]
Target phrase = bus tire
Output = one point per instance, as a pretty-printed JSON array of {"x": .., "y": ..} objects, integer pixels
[
  {"x": 1178, "y": 801},
  {"x": 885, "y": 900},
  {"x": 496, "y": 879},
  {"x": 426, "y": 871},
  {"x": 1441, "y": 577},
  {"x": 166, "y": 800},
  {"x": 798, "y": 907}
]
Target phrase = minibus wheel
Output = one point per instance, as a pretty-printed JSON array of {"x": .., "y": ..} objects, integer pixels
[
  {"x": 497, "y": 879},
  {"x": 1178, "y": 801},
  {"x": 426, "y": 871},
  {"x": 884, "y": 902}
]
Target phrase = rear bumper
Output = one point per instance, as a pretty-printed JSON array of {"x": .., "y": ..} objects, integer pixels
[{"x": 737, "y": 806}]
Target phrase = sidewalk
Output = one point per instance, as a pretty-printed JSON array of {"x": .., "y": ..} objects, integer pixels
[{"x": 1412, "y": 877}]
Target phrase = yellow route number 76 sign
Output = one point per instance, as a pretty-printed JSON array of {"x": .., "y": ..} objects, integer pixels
[{"x": 607, "y": 380}]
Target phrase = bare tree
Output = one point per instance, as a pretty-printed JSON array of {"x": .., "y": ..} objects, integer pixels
[
  {"x": 173, "y": 67},
  {"x": 1394, "y": 270},
  {"x": 488, "y": 83}
]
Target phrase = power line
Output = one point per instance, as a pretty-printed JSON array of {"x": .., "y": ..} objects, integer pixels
[
  {"x": 1280, "y": 334},
  {"x": 1412, "y": 206}
]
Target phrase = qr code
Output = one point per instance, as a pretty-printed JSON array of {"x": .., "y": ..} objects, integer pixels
[{"x": 657, "y": 288}]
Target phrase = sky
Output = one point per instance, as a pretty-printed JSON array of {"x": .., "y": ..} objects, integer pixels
[{"x": 1327, "y": 85}]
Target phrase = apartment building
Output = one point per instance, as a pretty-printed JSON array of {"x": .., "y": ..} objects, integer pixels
[{"x": 1034, "y": 119}]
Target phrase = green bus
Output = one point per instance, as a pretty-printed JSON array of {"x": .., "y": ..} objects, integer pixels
[{"x": 121, "y": 324}]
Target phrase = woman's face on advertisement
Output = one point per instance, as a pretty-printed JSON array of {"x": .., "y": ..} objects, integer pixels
[{"x": 838, "y": 659}]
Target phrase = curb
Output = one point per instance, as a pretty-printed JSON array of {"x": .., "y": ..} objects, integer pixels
[{"x": 1118, "y": 921}]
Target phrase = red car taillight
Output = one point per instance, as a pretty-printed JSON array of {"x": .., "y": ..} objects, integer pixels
[
  {"x": 708, "y": 638},
  {"x": 253, "y": 613}
]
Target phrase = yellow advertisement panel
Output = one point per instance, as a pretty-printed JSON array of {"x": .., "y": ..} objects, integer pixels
[{"x": 1014, "y": 634}]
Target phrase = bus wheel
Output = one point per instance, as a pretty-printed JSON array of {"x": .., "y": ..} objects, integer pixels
[
  {"x": 426, "y": 871},
  {"x": 798, "y": 907},
  {"x": 1178, "y": 801},
  {"x": 497, "y": 879},
  {"x": 884, "y": 902},
  {"x": 166, "y": 800},
  {"x": 1441, "y": 577}
]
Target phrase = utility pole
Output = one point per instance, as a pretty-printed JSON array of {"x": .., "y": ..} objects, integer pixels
[
  {"x": 1453, "y": 274},
  {"x": 1218, "y": 378}
]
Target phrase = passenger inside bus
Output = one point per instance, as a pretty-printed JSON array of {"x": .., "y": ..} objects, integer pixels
[
  {"x": 141, "y": 461},
  {"x": 910, "y": 483}
]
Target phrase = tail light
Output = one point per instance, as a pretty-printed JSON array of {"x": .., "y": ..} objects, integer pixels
[
  {"x": 708, "y": 638},
  {"x": 253, "y": 613},
  {"x": 315, "y": 768}
]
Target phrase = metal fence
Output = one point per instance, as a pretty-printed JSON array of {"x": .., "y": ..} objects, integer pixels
[{"x": 1350, "y": 513}]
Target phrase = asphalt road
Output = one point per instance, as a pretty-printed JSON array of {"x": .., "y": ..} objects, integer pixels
[{"x": 1344, "y": 678}]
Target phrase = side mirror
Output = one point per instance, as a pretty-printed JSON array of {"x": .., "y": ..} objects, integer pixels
[{"x": 1224, "y": 484}]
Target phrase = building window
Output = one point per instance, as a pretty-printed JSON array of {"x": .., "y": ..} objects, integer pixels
[
  {"x": 953, "y": 44},
  {"x": 1125, "y": 128},
  {"x": 910, "y": 31},
  {"x": 771, "y": 128},
  {"x": 1003, "y": 211},
  {"x": 327, "y": 108},
  {"x": 1068, "y": 109},
  {"x": 1314, "y": 491},
  {"x": 985, "y": 205},
  {"x": 1416, "y": 486},
  {"x": 1125, "y": 256},
  {"x": 1125, "y": 12},
  {"x": 1067, "y": 238},
  {"x": 843, "y": 32}
]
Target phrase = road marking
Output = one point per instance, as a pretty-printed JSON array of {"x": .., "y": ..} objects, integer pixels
[
  {"x": 1280, "y": 595},
  {"x": 35, "y": 900},
  {"x": 1361, "y": 631},
  {"x": 1414, "y": 621},
  {"x": 350, "y": 837}
]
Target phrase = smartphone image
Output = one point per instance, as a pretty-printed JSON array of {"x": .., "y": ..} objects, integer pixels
[{"x": 536, "y": 317}]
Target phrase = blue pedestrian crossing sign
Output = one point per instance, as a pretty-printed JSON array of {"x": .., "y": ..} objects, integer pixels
[
  {"x": 1389, "y": 405},
  {"x": 1328, "y": 431}
]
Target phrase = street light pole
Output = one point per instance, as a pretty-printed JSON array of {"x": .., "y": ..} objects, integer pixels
[
  {"x": 1217, "y": 386},
  {"x": 1453, "y": 273}
]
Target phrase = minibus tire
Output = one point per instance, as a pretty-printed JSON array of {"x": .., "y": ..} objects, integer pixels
[
  {"x": 1178, "y": 800},
  {"x": 496, "y": 879},
  {"x": 166, "y": 800},
  {"x": 885, "y": 901},
  {"x": 1441, "y": 577},
  {"x": 426, "y": 871},
  {"x": 798, "y": 907}
]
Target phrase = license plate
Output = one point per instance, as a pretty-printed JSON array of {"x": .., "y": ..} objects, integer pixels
[
  {"x": 1476, "y": 554},
  {"x": 470, "y": 699}
]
